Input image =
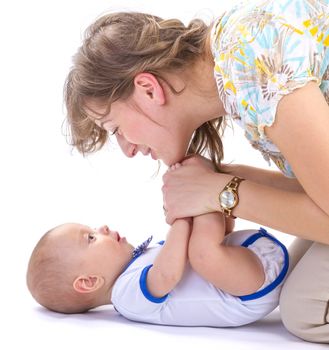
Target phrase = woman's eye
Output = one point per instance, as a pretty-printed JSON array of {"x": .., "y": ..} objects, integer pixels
[
  {"x": 115, "y": 131},
  {"x": 91, "y": 237}
]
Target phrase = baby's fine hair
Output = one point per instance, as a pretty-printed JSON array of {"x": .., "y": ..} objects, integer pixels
[
  {"x": 50, "y": 280},
  {"x": 115, "y": 49}
]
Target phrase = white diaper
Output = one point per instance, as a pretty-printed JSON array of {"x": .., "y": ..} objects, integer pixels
[
  {"x": 272, "y": 254},
  {"x": 272, "y": 257}
]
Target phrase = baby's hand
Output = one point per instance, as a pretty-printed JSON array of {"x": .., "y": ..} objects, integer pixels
[{"x": 198, "y": 160}]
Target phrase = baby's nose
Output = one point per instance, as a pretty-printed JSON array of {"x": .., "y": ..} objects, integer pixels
[{"x": 104, "y": 230}]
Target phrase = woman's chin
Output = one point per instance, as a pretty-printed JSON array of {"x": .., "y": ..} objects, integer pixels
[{"x": 173, "y": 158}]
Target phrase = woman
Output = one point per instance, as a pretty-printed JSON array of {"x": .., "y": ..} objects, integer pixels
[{"x": 150, "y": 82}]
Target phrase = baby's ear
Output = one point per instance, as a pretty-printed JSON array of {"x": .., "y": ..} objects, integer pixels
[{"x": 88, "y": 284}]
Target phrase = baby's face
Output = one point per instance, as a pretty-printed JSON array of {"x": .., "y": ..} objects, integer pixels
[{"x": 96, "y": 251}]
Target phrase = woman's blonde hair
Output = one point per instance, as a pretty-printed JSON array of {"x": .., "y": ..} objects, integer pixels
[{"x": 115, "y": 49}]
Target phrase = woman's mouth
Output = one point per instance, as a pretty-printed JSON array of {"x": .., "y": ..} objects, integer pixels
[{"x": 153, "y": 155}]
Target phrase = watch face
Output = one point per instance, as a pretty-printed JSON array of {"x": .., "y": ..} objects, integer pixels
[{"x": 227, "y": 199}]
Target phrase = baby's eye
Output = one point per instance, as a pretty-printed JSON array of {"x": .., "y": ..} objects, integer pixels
[{"x": 91, "y": 237}]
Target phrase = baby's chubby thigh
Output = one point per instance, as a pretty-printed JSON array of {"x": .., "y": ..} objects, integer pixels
[{"x": 272, "y": 254}]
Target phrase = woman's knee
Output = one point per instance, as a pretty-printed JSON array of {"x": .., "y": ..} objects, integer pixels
[
  {"x": 288, "y": 306},
  {"x": 304, "y": 297},
  {"x": 297, "y": 318}
]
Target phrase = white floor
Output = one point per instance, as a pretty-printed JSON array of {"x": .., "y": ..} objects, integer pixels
[{"x": 104, "y": 328}]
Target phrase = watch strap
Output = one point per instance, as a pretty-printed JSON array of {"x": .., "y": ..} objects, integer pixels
[
  {"x": 234, "y": 183},
  {"x": 233, "y": 186}
]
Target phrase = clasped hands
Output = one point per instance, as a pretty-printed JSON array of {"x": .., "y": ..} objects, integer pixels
[{"x": 191, "y": 188}]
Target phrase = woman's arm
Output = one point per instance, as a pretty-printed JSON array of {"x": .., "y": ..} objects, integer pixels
[
  {"x": 301, "y": 132},
  {"x": 265, "y": 177},
  {"x": 193, "y": 189},
  {"x": 290, "y": 212},
  {"x": 169, "y": 265},
  {"x": 233, "y": 269}
]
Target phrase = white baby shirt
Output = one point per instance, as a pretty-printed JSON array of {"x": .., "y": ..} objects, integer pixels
[{"x": 196, "y": 302}]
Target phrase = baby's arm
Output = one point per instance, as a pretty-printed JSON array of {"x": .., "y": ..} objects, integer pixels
[
  {"x": 169, "y": 265},
  {"x": 233, "y": 269}
]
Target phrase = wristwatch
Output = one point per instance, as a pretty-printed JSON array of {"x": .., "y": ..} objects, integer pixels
[{"x": 229, "y": 198}]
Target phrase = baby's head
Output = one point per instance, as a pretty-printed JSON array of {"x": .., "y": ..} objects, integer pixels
[{"x": 73, "y": 267}]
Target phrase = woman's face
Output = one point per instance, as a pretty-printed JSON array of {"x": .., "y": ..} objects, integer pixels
[{"x": 151, "y": 131}]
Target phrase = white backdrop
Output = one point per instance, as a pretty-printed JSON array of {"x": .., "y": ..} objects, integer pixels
[{"x": 45, "y": 183}]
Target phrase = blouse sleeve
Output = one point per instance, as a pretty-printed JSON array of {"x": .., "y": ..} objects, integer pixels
[{"x": 266, "y": 54}]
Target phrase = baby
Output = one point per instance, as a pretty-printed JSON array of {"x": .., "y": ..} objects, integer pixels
[{"x": 197, "y": 277}]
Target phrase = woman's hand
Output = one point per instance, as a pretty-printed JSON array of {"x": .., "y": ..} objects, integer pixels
[{"x": 191, "y": 188}]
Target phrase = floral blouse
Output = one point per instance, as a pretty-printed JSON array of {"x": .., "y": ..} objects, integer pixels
[{"x": 264, "y": 50}]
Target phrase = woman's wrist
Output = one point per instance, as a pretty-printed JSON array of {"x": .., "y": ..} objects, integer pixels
[{"x": 218, "y": 183}]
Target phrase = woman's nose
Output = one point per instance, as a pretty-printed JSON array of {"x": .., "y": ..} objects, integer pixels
[{"x": 129, "y": 149}]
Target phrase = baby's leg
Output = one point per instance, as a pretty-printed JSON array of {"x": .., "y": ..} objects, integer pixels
[
  {"x": 230, "y": 267},
  {"x": 304, "y": 299}
]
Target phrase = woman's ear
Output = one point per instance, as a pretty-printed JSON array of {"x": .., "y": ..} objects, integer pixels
[
  {"x": 88, "y": 284},
  {"x": 148, "y": 86}
]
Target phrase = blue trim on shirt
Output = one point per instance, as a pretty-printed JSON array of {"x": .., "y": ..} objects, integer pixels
[
  {"x": 263, "y": 233},
  {"x": 137, "y": 256},
  {"x": 145, "y": 291}
]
